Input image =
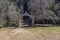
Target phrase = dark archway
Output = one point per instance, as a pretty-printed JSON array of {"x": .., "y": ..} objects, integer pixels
[{"x": 27, "y": 20}]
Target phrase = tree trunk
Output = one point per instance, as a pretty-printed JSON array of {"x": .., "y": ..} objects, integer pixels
[
  {"x": 20, "y": 21},
  {"x": 33, "y": 20}
]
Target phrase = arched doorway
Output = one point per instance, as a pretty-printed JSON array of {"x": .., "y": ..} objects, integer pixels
[{"x": 26, "y": 20}]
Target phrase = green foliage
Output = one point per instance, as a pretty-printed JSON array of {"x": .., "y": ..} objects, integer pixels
[
  {"x": 51, "y": 7},
  {"x": 7, "y": 19},
  {"x": 1, "y": 25},
  {"x": 12, "y": 22},
  {"x": 17, "y": 2},
  {"x": 1, "y": 10},
  {"x": 57, "y": 6}
]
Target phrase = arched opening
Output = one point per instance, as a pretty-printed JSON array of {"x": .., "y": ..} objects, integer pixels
[{"x": 26, "y": 20}]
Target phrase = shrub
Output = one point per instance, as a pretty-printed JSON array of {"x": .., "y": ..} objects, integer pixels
[
  {"x": 1, "y": 25},
  {"x": 12, "y": 22}
]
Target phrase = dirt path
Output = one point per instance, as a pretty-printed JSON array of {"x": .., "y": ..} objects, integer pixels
[{"x": 23, "y": 34}]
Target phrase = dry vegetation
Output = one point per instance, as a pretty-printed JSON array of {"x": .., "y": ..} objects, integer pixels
[{"x": 39, "y": 33}]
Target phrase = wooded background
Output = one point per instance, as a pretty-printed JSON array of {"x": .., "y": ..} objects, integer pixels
[{"x": 44, "y": 11}]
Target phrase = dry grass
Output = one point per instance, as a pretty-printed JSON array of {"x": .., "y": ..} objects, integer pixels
[{"x": 39, "y": 33}]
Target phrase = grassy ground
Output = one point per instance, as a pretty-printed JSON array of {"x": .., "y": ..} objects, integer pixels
[{"x": 35, "y": 33}]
